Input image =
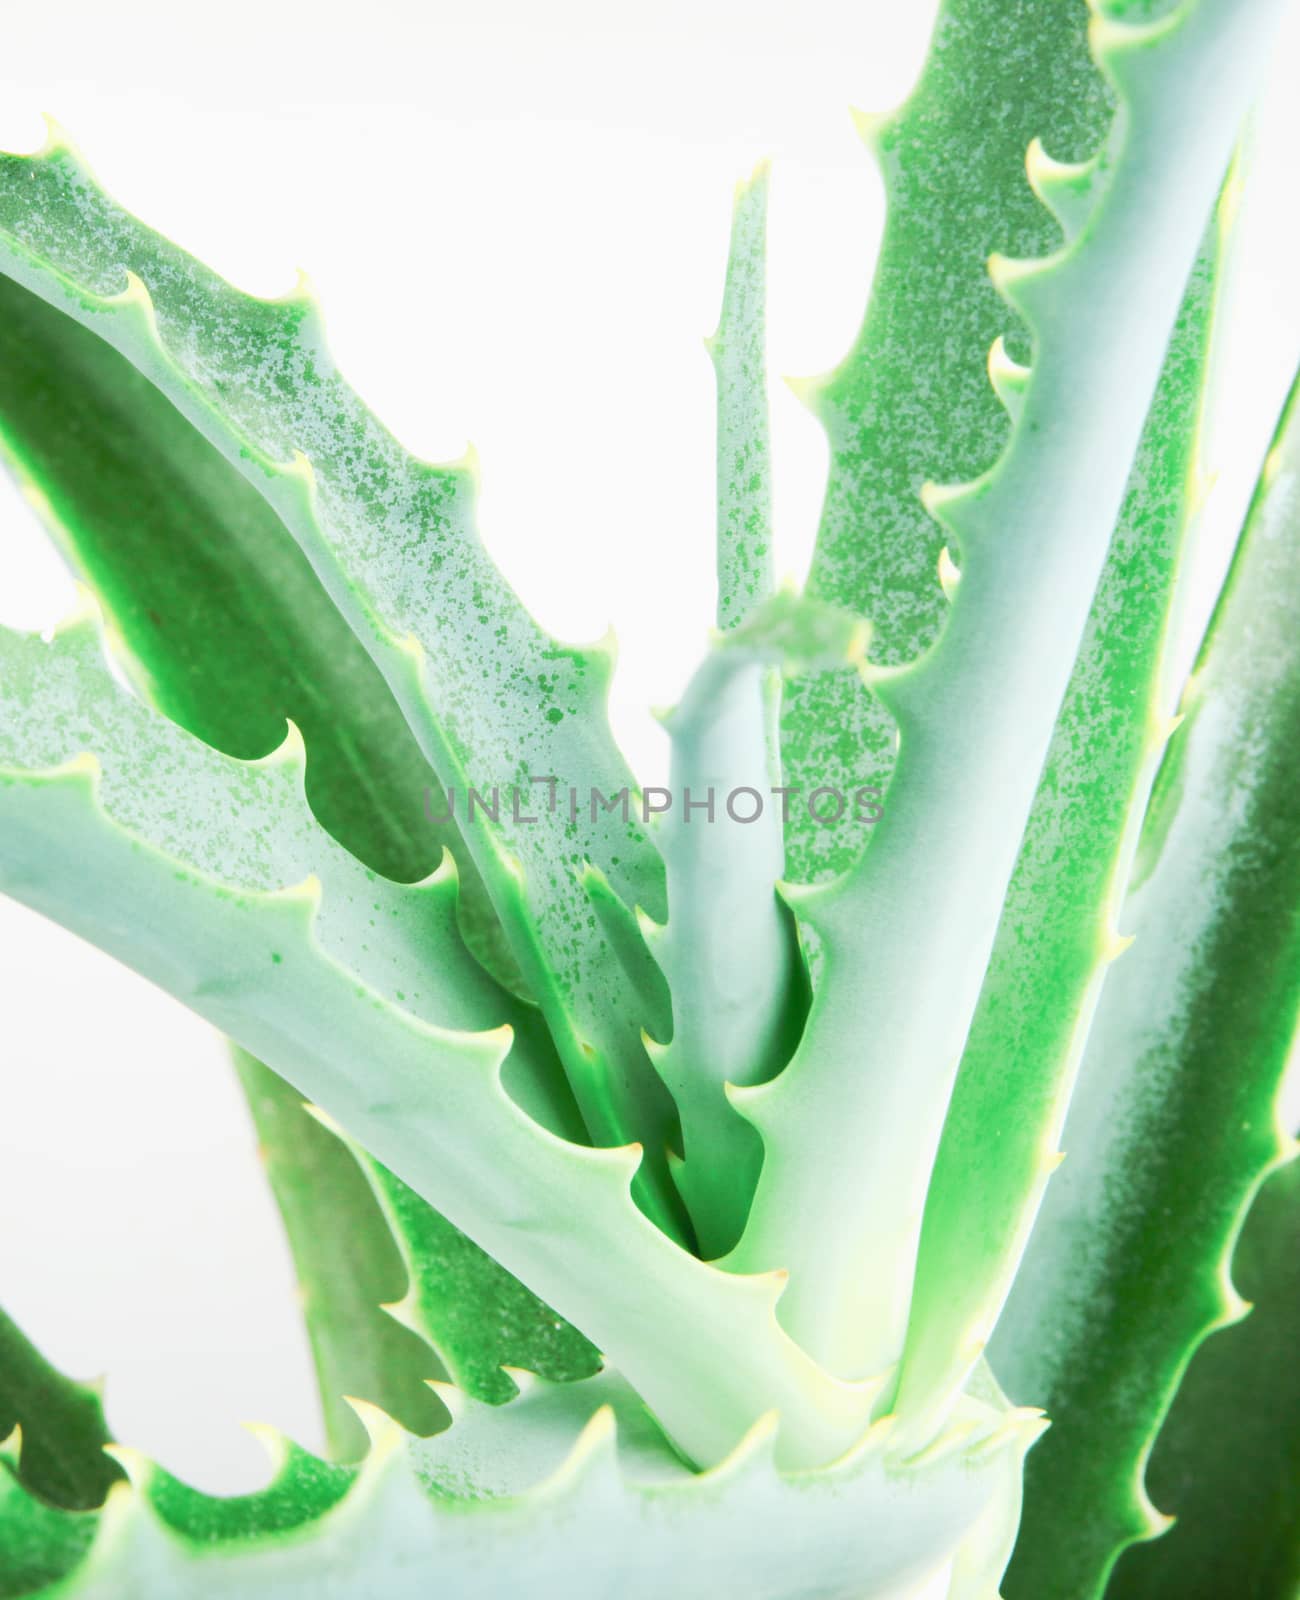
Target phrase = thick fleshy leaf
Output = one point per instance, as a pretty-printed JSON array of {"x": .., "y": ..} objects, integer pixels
[
  {"x": 1227, "y": 1462},
  {"x": 1058, "y": 931},
  {"x": 1174, "y": 1123},
  {"x": 478, "y": 1318},
  {"x": 911, "y": 401},
  {"x": 570, "y": 1487},
  {"x": 183, "y": 862},
  {"x": 744, "y": 469},
  {"x": 347, "y": 1265},
  {"x": 851, "y": 1128},
  {"x": 494, "y": 703},
  {"x": 730, "y": 951},
  {"x": 228, "y": 629},
  {"x": 58, "y": 1448}
]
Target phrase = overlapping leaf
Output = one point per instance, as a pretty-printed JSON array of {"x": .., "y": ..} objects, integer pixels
[
  {"x": 1174, "y": 1123},
  {"x": 492, "y": 701},
  {"x": 500, "y": 1494},
  {"x": 851, "y": 1127}
]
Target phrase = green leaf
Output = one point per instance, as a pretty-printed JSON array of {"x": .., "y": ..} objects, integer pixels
[
  {"x": 492, "y": 700},
  {"x": 477, "y": 1317},
  {"x": 851, "y": 1128},
  {"x": 744, "y": 448},
  {"x": 1173, "y": 1125},
  {"x": 730, "y": 951},
  {"x": 39, "y": 1543},
  {"x": 394, "y": 1293},
  {"x": 229, "y": 632},
  {"x": 911, "y": 401},
  {"x": 1227, "y": 1461},
  {"x": 63, "y": 1432},
  {"x": 347, "y": 1266},
  {"x": 181, "y": 862},
  {"x": 228, "y": 629},
  {"x": 571, "y": 1484},
  {"x": 1058, "y": 933}
]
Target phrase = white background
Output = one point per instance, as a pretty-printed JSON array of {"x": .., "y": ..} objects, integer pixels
[{"x": 516, "y": 217}]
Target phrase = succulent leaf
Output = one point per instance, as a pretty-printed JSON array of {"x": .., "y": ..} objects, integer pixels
[
  {"x": 149, "y": 848},
  {"x": 55, "y": 1428},
  {"x": 739, "y": 353},
  {"x": 1227, "y": 1461},
  {"x": 480, "y": 1320},
  {"x": 1175, "y": 1113},
  {"x": 730, "y": 950},
  {"x": 1058, "y": 934},
  {"x": 851, "y": 1128},
  {"x": 225, "y": 626},
  {"x": 347, "y": 1266},
  {"x": 910, "y": 403},
  {"x": 502, "y": 1491},
  {"x": 493, "y": 702}
]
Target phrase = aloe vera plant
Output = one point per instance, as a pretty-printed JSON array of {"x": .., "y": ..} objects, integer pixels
[{"x": 671, "y": 1173}]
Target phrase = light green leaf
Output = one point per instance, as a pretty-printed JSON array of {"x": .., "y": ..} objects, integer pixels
[
  {"x": 479, "y": 1319},
  {"x": 182, "y": 862},
  {"x": 228, "y": 630},
  {"x": 730, "y": 951},
  {"x": 744, "y": 469},
  {"x": 492, "y": 700},
  {"x": 1058, "y": 931},
  {"x": 571, "y": 1485},
  {"x": 851, "y": 1127}
]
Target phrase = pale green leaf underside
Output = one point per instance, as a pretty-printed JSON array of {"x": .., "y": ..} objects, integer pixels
[
  {"x": 566, "y": 1486},
  {"x": 851, "y": 1127},
  {"x": 729, "y": 950},
  {"x": 1058, "y": 934}
]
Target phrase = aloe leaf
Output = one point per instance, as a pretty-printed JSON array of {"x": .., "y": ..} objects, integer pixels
[
  {"x": 1058, "y": 931},
  {"x": 59, "y": 1449},
  {"x": 183, "y": 864},
  {"x": 1227, "y": 1461},
  {"x": 54, "y": 1470},
  {"x": 228, "y": 629},
  {"x": 729, "y": 950},
  {"x": 911, "y": 401},
  {"x": 492, "y": 700},
  {"x": 503, "y": 1490},
  {"x": 228, "y": 632},
  {"x": 40, "y": 1544},
  {"x": 394, "y": 1293},
  {"x": 1173, "y": 1124},
  {"x": 744, "y": 470},
  {"x": 908, "y": 932},
  {"x": 347, "y": 1266},
  {"x": 479, "y": 1319},
  {"x": 981, "y": 1558}
]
